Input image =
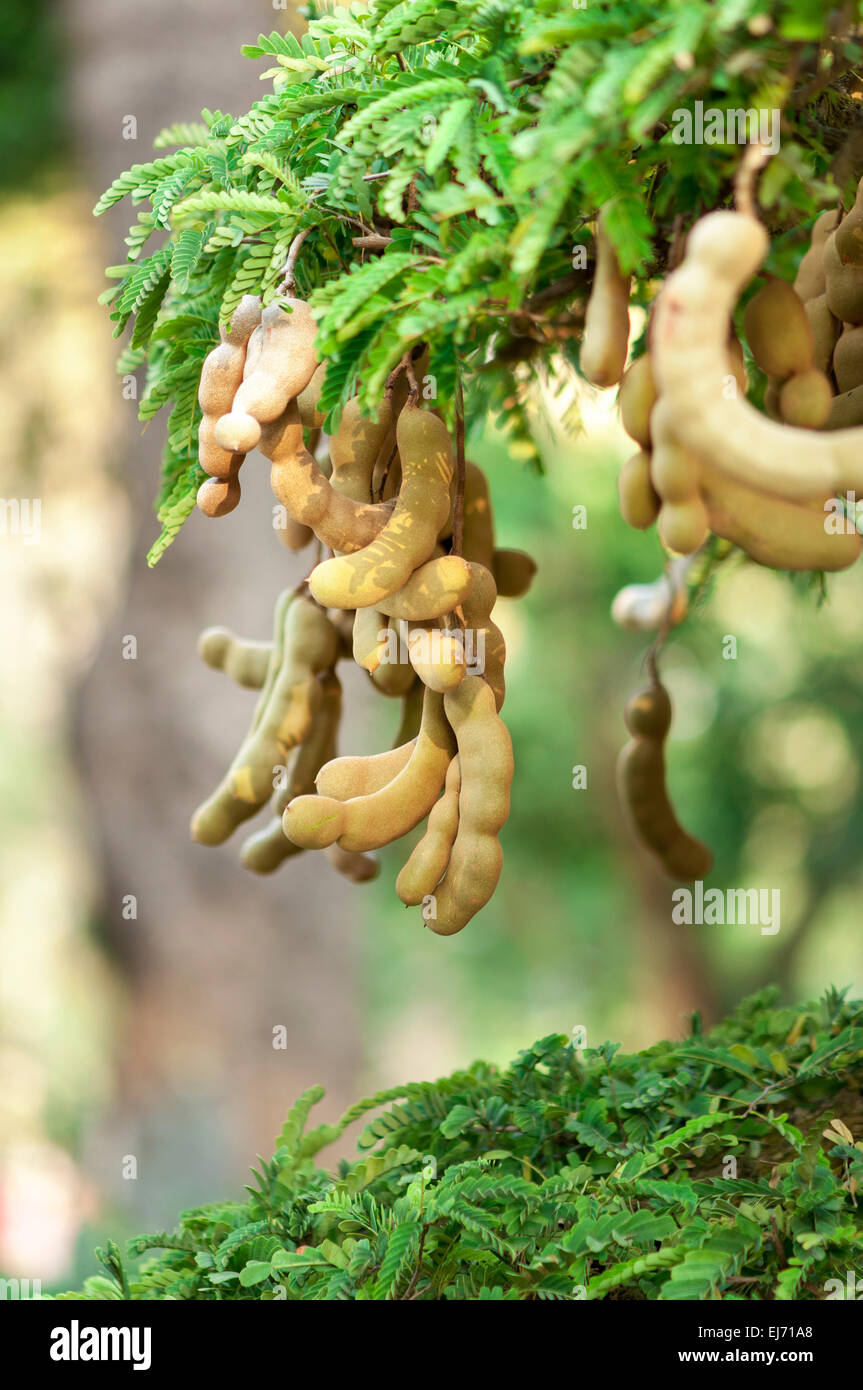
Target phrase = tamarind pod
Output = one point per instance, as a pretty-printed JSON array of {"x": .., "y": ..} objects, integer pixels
[
  {"x": 689, "y": 332},
  {"x": 356, "y": 447},
  {"x": 221, "y": 375},
  {"x": 435, "y": 588},
  {"x": 284, "y": 368},
  {"x": 606, "y": 320},
  {"x": 245, "y": 662},
  {"x": 809, "y": 281},
  {"x": 366, "y": 577},
  {"x": 513, "y": 572},
  {"x": 478, "y": 527},
  {"x": 825, "y": 334},
  {"x": 636, "y": 400},
  {"x": 368, "y": 822},
  {"x": 639, "y": 501},
  {"x": 778, "y": 330},
  {"x": 437, "y": 656},
  {"x": 369, "y": 638},
  {"x": 265, "y": 851},
  {"x": 846, "y": 410},
  {"x": 359, "y": 868},
  {"x": 412, "y": 708},
  {"x": 848, "y": 359},
  {"x": 284, "y": 716},
  {"x": 641, "y": 781},
  {"x": 308, "y": 399},
  {"x": 675, "y": 473},
  {"x": 805, "y": 399},
  {"x": 253, "y": 355},
  {"x": 487, "y": 648},
  {"x": 218, "y": 496},
  {"x": 646, "y": 607},
  {"x": 486, "y": 768},
  {"x": 773, "y": 531},
  {"x": 293, "y": 534},
  {"x": 301, "y": 488},
  {"x": 849, "y": 232},
  {"x": 393, "y": 678},
  {"x": 343, "y": 778},
  {"x": 843, "y": 285},
  {"x": 427, "y": 862},
  {"x": 684, "y": 526}
]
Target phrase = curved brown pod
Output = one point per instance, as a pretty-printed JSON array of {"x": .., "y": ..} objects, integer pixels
[{"x": 643, "y": 791}]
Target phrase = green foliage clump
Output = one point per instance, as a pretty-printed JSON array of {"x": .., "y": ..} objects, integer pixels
[
  {"x": 721, "y": 1166},
  {"x": 443, "y": 161}
]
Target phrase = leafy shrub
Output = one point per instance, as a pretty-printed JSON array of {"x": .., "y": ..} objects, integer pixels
[{"x": 720, "y": 1166}]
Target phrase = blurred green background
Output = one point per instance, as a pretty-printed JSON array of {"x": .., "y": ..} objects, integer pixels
[{"x": 150, "y": 1036}]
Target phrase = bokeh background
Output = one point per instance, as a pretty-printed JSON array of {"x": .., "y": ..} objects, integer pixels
[{"x": 141, "y": 977}]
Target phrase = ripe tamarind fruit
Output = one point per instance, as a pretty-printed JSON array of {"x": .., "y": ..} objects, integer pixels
[
  {"x": 805, "y": 399},
  {"x": 849, "y": 232},
  {"x": 846, "y": 410},
  {"x": 478, "y": 525},
  {"x": 368, "y": 822},
  {"x": 778, "y": 330},
  {"x": 774, "y": 531},
  {"x": 219, "y": 496},
  {"x": 301, "y": 488},
  {"x": 606, "y": 320},
  {"x": 289, "y": 702},
  {"x": 346, "y": 777},
  {"x": 688, "y": 348},
  {"x": 486, "y": 771},
  {"x": 513, "y": 572},
  {"x": 848, "y": 359},
  {"x": 293, "y": 534},
  {"x": 406, "y": 541},
  {"x": 355, "y": 448},
  {"x": 437, "y": 655},
  {"x": 284, "y": 367},
  {"x": 639, "y": 501},
  {"x": 369, "y": 638},
  {"x": 641, "y": 779},
  {"x": 435, "y": 588},
  {"x": 359, "y": 868},
  {"x": 245, "y": 662},
  {"x": 221, "y": 376},
  {"x": 843, "y": 285},
  {"x": 308, "y": 399},
  {"x": 636, "y": 400},
  {"x": 427, "y": 862},
  {"x": 266, "y": 850},
  {"x": 482, "y": 633},
  {"x": 825, "y": 333},
  {"x": 675, "y": 472},
  {"x": 392, "y": 678},
  {"x": 810, "y": 280}
]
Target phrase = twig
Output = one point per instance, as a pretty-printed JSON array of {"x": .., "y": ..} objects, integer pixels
[{"x": 291, "y": 261}]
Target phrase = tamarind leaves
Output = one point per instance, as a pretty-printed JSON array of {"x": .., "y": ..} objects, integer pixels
[
  {"x": 473, "y": 143},
  {"x": 489, "y": 1184}
]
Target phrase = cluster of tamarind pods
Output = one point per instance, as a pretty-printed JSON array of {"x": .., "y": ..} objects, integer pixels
[
  {"x": 407, "y": 593},
  {"x": 771, "y": 482}
]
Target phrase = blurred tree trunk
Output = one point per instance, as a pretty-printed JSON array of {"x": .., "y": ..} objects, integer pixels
[{"x": 216, "y": 958}]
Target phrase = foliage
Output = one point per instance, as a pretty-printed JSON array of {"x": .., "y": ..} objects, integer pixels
[
  {"x": 473, "y": 142},
  {"x": 572, "y": 1174}
]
